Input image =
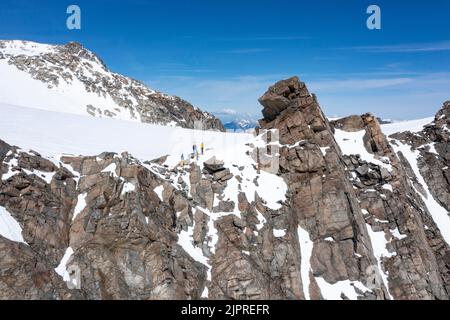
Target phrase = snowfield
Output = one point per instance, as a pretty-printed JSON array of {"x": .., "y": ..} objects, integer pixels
[
  {"x": 412, "y": 125},
  {"x": 53, "y": 133}
]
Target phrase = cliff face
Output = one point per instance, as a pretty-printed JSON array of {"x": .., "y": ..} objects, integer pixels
[{"x": 309, "y": 209}]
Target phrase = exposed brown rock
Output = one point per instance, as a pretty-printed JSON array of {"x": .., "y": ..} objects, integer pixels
[{"x": 126, "y": 239}]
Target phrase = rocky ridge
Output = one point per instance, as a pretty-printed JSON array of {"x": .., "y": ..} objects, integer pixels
[{"x": 343, "y": 216}]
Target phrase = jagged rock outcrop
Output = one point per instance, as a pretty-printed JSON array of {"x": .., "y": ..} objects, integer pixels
[
  {"x": 281, "y": 95},
  {"x": 322, "y": 200},
  {"x": 432, "y": 144},
  {"x": 412, "y": 264},
  {"x": 101, "y": 93}
]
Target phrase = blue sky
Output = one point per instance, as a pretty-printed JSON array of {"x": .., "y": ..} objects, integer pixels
[{"x": 222, "y": 55}]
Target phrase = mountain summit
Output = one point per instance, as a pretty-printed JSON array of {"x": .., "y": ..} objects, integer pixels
[{"x": 72, "y": 79}]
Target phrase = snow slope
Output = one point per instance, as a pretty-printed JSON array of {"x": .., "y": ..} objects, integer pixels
[
  {"x": 19, "y": 88},
  {"x": 438, "y": 213},
  {"x": 412, "y": 125},
  {"x": 53, "y": 133}
]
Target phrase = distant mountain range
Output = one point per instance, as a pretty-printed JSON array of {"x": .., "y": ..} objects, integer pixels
[
  {"x": 241, "y": 125},
  {"x": 235, "y": 121}
]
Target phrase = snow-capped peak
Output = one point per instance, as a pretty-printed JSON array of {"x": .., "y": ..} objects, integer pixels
[
  {"x": 28, "y": 48},
  {"x": 69, "y": 78}
]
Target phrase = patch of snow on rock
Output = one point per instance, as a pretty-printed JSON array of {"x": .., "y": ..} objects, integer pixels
[
  {"x": 352, "y": 143},
  {"x": 279, "y": 233},
  {"x": 81, "y": 204},
  {"x": 334, "y": 291},
  {"x": 306, "y": 248},
  {"x": 61, "y": 269},
  {"x": 159, "y": 190},
  {"x": 9, "y": 227}
]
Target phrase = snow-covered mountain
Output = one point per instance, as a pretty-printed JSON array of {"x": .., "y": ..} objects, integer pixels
[
  {"x": 71, "y": 79},
  {"x": 236, "y": 121},
  {"x": 346, "y": 213},
  {"x": 241, "y": 125}
]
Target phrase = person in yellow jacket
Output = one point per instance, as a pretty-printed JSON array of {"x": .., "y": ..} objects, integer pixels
[
  {"x": 202, "y": 147},
  {"x": 182, "y": 161}
]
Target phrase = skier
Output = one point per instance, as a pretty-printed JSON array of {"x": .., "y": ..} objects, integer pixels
[
  {"x": 202, "y": 147},
  {"x": 194, "y": 149}
]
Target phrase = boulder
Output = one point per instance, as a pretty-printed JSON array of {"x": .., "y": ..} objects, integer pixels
[
  {"x": 350, "y": 124},
  {"x": 213, "y": 165}
]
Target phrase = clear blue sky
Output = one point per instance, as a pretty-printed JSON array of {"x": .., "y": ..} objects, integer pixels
[{"x": 223, "y": 54}]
